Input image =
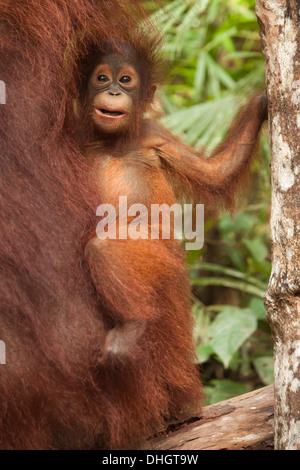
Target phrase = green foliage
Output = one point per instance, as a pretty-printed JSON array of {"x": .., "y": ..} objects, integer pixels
[
  {"x": 215, "y": 62},
  {"x": 214, "y": 51},
  {"x": 227, "y": 332},
  {"x": 220, "y": 390}
]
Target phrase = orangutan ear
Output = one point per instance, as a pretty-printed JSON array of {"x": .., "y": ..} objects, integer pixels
[
  {"x": 76, "y": 107},
  {"x": 151, "y": 92}
]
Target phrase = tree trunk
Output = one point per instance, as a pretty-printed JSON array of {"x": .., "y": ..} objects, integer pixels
[{"x": 280, "y": 33}]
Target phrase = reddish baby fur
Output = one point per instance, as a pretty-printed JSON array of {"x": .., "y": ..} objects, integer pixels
[{"x": 58, "y": 307}]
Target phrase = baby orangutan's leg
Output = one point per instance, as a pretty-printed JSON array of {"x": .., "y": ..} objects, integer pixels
[{"x": 133, "y": 284}]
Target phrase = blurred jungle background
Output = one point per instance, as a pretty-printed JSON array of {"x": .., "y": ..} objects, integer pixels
[{"x": 215, "y": 64}]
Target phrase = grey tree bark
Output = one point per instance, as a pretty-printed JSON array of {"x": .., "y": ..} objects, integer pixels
[{"x": 280, "y": 34}]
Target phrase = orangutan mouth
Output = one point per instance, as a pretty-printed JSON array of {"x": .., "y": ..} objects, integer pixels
[{"x": 109, "y": 112}]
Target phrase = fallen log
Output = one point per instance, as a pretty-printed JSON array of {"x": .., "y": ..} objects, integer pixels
[{"x": 241, "y": 423}]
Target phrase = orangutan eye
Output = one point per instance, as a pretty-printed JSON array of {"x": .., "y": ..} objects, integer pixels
[
  {"x": 125, "y": 79},
  {"x": 102, "y": 78}
]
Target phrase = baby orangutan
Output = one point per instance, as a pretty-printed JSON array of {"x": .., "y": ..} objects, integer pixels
[{"x": 142, "y": 282}]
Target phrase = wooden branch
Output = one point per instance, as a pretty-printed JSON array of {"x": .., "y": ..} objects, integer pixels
[{"x": 241, "y": 423}]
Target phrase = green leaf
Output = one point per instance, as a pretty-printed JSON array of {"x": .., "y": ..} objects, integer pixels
[
  {"x": 219, "y": 390},
  {"x": 264, "y": 366},
  {"x": 243, "y": 55},
  {"x": 257, "y": 249},
  {"x": 227, "y": 282},
  {"x": 231, "y": 328},
  {"x": 189, "y": 18},
  {"x": 201, "y": 325},
  {"x": 258, "y": 308},
  {"x": 200, "y": 74},
  {"x": 203, "y": 352},
  {"x": 230, "y": 272},
  {"x": 241, "y": 221},
  {"x": 219, "y": 38}
]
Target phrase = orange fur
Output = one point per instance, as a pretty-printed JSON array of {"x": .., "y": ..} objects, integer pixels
[{"x": 61, "y": 298}]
